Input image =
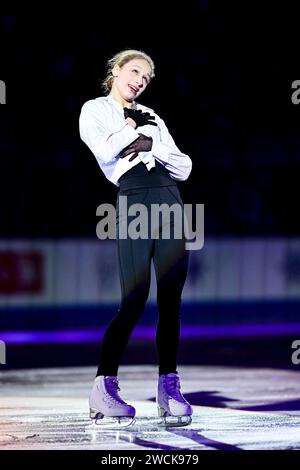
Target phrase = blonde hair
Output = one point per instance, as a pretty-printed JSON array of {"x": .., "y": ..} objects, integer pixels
[{"x": 121, "y": 58}]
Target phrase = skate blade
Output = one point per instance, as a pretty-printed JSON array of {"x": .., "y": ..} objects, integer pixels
[
  {"x": 175, "y": 421},
  {"x": 107, "y": 423}
]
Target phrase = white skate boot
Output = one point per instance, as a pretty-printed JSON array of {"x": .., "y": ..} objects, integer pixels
[
  {"x": 107, "y": 407},
  {"x": 172, "y": 406}
]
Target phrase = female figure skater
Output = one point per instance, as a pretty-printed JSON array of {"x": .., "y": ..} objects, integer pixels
[{"x": 136, "y": 152}]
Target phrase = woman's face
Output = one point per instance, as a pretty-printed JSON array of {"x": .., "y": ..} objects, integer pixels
[{"x": 130, "y": 80}]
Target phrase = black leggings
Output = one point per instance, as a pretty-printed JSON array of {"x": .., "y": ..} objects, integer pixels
[{"x": 170, "y": 262}]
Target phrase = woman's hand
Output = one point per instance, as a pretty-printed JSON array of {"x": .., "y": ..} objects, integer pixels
[
  {"x": 140, "y": 118},
  {"x": 141, "y": 144},
  {"x": 131, "y": 122}
]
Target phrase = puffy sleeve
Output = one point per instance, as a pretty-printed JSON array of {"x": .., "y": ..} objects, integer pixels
[
  {"x": 167, "y": 153},
  {"x": 105, "y": 143}
]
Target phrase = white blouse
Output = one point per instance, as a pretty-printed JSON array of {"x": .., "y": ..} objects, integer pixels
[{"x": 103, "y": 128}]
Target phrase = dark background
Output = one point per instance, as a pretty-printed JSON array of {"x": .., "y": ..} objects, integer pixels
[
  {"x": 224, "y": 72},
  {"x": 223, "y": 86}
]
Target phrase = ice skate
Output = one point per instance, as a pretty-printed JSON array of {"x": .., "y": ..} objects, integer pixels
[
  {"x": 107, "y": 409},
  {"x": 172, "y": 406}
]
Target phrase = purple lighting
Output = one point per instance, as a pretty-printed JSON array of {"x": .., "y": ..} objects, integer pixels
[{"x": 148, "y": 333}]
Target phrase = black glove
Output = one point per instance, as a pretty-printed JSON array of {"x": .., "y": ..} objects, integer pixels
[
  {"x": 141, "y": 144},
  {"x": 140, "y": 118}
]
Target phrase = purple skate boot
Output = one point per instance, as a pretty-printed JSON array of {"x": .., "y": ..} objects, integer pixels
[
  {"x": 172, "y": 406},
  {"x": 107, "y": 407}
]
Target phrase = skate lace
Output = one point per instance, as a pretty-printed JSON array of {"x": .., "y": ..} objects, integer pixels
[
  {"x": 112, "y": 389},
  {"x": 173, "y": 388}
]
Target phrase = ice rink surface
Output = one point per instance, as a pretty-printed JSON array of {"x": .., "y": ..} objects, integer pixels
[{"x": 235, "y": 408}]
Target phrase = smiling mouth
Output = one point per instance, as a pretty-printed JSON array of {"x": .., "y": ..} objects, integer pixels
[{"x": 135, "y": 90}]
